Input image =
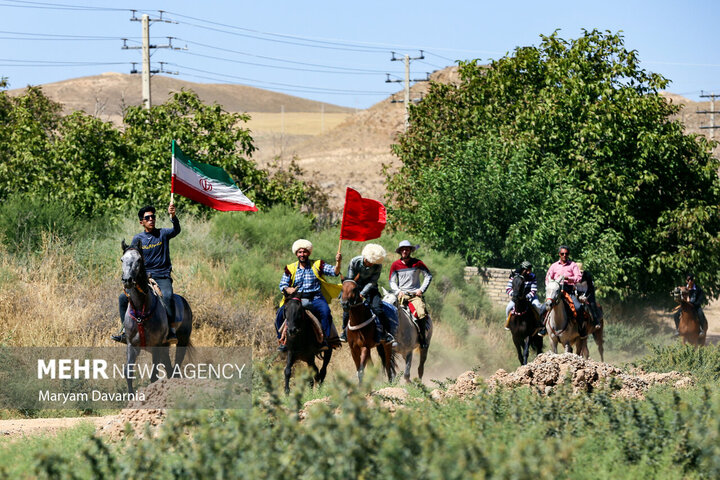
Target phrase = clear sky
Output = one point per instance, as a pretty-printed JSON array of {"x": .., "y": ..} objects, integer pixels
[{"x": 338, "y": 51}]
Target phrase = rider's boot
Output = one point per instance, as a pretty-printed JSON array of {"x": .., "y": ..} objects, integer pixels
[
  {"x": 388, "y": 337},
  {"x": 582, "y": 330},
  {"x": 120, "y": 337}
]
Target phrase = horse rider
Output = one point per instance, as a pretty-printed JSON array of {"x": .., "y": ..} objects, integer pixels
[
  {"x": 304, "y": 279},
  {"x": 569, "y": 270},
  {"x": 405, "y": 284},
  {"x": 367, "y": 267},
  {"x": 697, "y": 300},
  {"x": 530, "y": 291},
  {"x": 155, "y": 244},
  {"x": 586, "y": 288}
]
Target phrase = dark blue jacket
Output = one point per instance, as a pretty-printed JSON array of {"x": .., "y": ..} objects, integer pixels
[{"x": 156, "y": 249}]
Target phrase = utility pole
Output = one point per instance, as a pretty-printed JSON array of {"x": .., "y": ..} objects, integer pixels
[
  {"x": 406, "y": 59},
  {"x": 712, "y": 113},
  {"x": 146, "y": 46}
]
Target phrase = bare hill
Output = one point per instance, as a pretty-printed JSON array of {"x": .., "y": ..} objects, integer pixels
[
  {"x": 353, "y": 153},
  {"x": 106, "y": 95}
]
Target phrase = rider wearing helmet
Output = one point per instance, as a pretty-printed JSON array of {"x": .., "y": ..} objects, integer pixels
[
  {"x": 530, "y": 290},
  {"x": 367, "y": 267}
]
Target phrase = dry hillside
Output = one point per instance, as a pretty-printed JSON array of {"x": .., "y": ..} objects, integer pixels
[
  {"x": 106, "y": 95},
  {"x": 336, "y": 148}
]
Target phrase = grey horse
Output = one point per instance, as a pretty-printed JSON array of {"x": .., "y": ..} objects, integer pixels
[
  {"x": 145, "y": 321},
  {"x": 407, "y": 338}
]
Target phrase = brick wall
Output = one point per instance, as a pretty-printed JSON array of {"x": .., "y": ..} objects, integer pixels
[{"x": 493, "y": 281}]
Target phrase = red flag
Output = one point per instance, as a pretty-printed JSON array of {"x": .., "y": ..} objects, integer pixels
[{"x": 363, "y": 218}]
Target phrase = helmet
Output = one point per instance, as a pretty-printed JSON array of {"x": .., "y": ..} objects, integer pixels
[
  {"x": 526, "y": 265},
  {"x": 301, "y": 243}
]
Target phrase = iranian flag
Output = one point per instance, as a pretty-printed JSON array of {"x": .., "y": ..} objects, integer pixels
[{"x": 207, "y": 184}]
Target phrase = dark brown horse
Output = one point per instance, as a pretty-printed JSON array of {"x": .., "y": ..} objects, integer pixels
[
  {"x": 595, "y": 331},
  {"x": 361, "y": 332},
  {"x": 301, "y": 338},
  {"x": 689, "y": 326},
  {"x": 522, "y": 323}
]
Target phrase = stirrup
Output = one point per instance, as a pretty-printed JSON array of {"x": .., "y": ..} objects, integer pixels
[{"x": 343, "y": 336}]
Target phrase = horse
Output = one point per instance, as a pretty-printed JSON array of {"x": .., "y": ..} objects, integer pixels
[
  {"x": 689, "y": 326},
  {"x": 145, "y": 322},
  {"x": 595, "y": 331},
  {"x": 303, "y": 338},
  {"x": 522, "y": 322},
  {"x": 361, "y": 332},
  {"x": 407, "y": 337},
  {"x": 560, "y": 326}
]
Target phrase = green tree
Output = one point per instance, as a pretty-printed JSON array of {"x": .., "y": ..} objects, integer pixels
[{"x": 567, "y": 142}]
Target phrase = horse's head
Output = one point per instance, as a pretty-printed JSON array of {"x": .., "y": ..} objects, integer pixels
[
  {"x": 293, "y": 314},
  {"x": 518, "y": 288},
  {"x": 681, "y": 294},
  {"x": 350, "y": 293},
  {"x": 388, "y": 297},
  {"x": 133, "y": 265},
  {"x": 552, "y": 291}
]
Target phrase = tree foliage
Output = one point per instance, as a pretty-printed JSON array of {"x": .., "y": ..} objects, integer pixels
[
  {"x": 568, "y": 142},
  {"x": 92, "y": 167}
]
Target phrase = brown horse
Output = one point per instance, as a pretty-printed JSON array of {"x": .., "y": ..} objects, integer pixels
[
  {"x": 596, "y": 332},
  {"x": 689, "y": 326},
  {"x": 361, "y": 332}
]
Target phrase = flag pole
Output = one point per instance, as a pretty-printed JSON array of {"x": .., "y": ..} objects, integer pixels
[
  {"x": 342, "y": 220},
  {"x": 172, "y": 172}
]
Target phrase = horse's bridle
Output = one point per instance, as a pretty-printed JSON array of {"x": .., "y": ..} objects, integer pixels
[{"x": 356, "y": 296}]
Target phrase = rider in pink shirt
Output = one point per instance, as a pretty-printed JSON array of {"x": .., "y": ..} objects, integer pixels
[
  {"x": 564, "y": 268},
  {"x": 571, "y": 272}
]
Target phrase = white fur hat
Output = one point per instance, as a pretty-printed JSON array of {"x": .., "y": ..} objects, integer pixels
[
  {"x": 374, "y": 253},
  {"x": 301, "y": 243}
]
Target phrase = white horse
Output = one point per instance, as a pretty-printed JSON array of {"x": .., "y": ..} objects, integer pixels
[
  {"x": 559, "y": 326},
  {"x": 407, "y": 338}
]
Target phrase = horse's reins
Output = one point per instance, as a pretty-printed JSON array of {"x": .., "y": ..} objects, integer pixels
[{"x": 141, "y": 316}]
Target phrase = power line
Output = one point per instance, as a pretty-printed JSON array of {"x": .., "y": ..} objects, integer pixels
[
  {"x": 58, "y": 6},
  {"x": 318, "y": 89},
  {"x": 276, "y": 89},
  {"x": 264, "y": 57}
]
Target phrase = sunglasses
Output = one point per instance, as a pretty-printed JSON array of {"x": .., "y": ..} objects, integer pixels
[
  {"x": 563, "y": 254},
  {"x": 149, "y": 217}
]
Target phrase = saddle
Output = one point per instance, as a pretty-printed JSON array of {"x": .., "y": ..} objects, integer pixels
[{"x": 333, "y": 340}]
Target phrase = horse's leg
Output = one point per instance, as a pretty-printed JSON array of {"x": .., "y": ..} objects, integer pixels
[
  {"x": 598, "y": 336},
  {"x": 364, "y": 357},
  {"x": 526, "y": 350},
  {"x": 311, "y": 363},
  {"x": 288, "y": 370},
  {"x": 388, "y": 362},
  {"x": 516, "y": 342},
  {"x": 132, "y": 354},
  {"x": 323, "y": 370},
  {"x": 408, "y": 365},
  {"x": 421, "y": 364}
]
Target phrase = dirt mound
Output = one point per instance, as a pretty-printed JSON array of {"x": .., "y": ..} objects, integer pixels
[
  {"x": 549, "y": 370},
  {"x": 151, "y": 411}
]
